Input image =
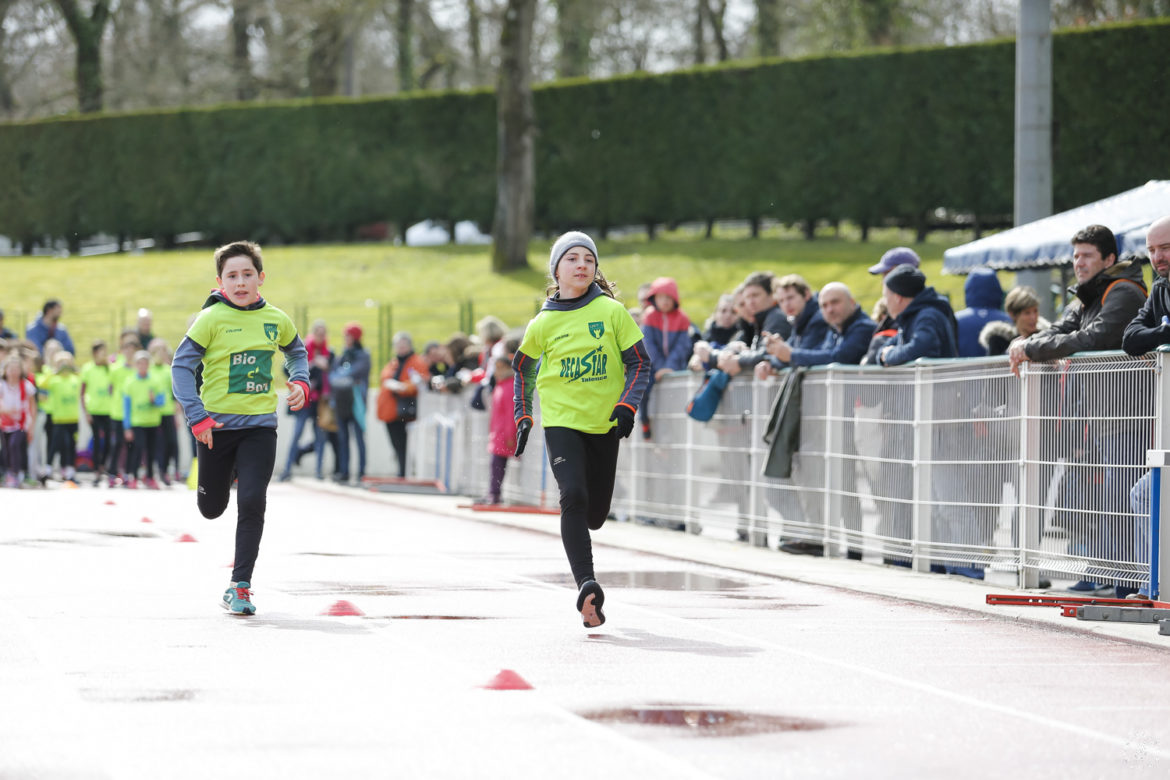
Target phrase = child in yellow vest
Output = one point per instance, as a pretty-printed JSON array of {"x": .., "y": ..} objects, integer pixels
[
  {"x": 121, "y": 370},
  {"x": 142, "y": 400},
  {"x": 64, "y": 405},
  {"x": 95, "y": 405},
  {"x": 168, "y": 434}
]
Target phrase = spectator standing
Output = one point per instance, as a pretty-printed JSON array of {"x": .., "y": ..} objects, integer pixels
[
  {"x": 1108, "y": 295},
  {"x": 95, "y": 405},
  {"x": 141, "y": 416},
  {"x": 145, "y": 327},
  {"x": 320, "y": 360},
  {"x": 984, "y": 297},
  {"x": 120, "y": 371},
  {"x": 401, "y": 379},
  {"x": 766, "y": 316},
  {"x": 502, "y": 427},
  {"x": 1022, "y": 305},
  {"x": 886, "y": 328},
  {"x": 168, "y": 426},
  {"x": 809, "y": 329},
  {"x": 48, "y": 326},
  {"x": 18, "y": 413},
  {"x": 1147, "y": 331},
  {"x": 666, "y": 336},
  {"x": 925, "y": 321},
  {"x": 350, "y": 383},
  {"x": 64, "y": 403}
]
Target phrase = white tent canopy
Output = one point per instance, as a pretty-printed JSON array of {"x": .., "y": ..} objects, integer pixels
[{"x": 1045, "y": 242}]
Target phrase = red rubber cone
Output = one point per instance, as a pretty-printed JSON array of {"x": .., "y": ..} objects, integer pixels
[
  {"x": 343, "y": 609},
  {"x": 109, "y": 503},
  {"x": 186, "y": 538},
  {"x": 507, "y": 680},
  {"x": 147, "y": 520}
]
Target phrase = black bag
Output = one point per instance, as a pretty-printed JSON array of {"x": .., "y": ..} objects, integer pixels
[{"x": 407, "y": 408}]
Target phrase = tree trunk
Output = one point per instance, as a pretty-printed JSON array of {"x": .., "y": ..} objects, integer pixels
[
  {"x": 697, "y": 33},
  {"x": 474, "y": 43},
  {"x": 241, "y": 59},
  {"x": 326, "y": 45},
  {"x": 715, "y": 14},
  {"x": 516, "y": 131},
  {"x": 574, "y": 33},
  {"x": 87, "y": 35},
  {"x": 877, "y": 21},
  {"x": 404, "y": 38},
  {"x": 768, "y": 27},
  {"x": 7, "y": 102}
]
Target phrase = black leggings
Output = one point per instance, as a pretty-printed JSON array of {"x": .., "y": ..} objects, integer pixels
[
  {"x": 168, "y": 445},
  {"x": 584, "y": 465},
  {"x": 248, "y": 454},
  {"x": 64, "y": 445},
  {"x": 117, "y": 447},
  {"x": 14, "y": 450},
  {"x": 397, "y": 431},
  {"x": 141, "y": 451},
  {"x": 101, "y": 441}
]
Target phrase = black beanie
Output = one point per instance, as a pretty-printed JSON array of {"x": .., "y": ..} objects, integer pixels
[{"x": 905, "y": 280}]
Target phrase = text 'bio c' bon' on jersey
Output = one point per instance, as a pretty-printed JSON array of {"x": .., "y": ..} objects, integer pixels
[
  {"x": 240, "y": 346},
  {"x": 581, "y": 371}
]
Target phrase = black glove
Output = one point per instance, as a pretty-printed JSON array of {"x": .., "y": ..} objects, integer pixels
[
  {"x": 522, "y": 429},
  {"x": 625, "y": 420}
]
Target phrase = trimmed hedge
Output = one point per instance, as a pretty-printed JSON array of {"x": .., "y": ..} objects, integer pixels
[{"x": 874, "y": 137}]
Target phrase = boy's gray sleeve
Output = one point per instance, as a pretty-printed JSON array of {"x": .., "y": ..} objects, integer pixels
[
  {"x": 296, "y": 361},
  {"x": 186, "y": 361}
]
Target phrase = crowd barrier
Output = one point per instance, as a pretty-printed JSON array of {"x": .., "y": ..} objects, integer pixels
[{"x": 951, "y": 463}]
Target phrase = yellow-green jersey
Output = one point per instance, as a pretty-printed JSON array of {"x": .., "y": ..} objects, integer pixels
[
  {"x": 142, "y": 399},
  {"x": 95, "y": 378},
  {"x": 161, "y": 374},
  {"x": 591, "y": 358},
  {"x": 63, "y": 403},
  {"x": 119, "y": 373},
  {"x": 235, "y": 347}
]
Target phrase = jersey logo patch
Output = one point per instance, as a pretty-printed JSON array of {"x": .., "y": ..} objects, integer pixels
[
  {"x": 250, "y": 372},
  {"x": 271, "y": 331},
  {"x": 597, "y": 329}
]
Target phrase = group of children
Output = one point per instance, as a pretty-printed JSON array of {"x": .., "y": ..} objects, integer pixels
[{"x": 126, "y": 402}]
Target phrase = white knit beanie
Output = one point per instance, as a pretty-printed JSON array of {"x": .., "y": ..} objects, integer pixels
[{"x": 564, "y": 244}]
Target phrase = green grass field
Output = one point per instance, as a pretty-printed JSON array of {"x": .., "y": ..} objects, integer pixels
[{"x": 431, "y": 291}]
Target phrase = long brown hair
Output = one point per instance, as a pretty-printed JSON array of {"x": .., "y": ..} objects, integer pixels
[{"x": 607, "y": 287}]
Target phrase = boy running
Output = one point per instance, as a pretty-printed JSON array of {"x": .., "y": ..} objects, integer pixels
[
  {"x": 585, "y": 353},
  {"x": 233, "y": 414}
]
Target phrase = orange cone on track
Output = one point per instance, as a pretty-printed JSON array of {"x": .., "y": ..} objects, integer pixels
[
  {"x": 186, "y": 538},
  {"x": 109, "y": 503},
  {"x": 343, "y": 609},
  {"x": 507, "y": 680},
  {"x": 147, "y": 520}
]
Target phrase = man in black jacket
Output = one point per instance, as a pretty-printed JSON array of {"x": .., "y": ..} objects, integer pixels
[
  {"x": 757, "y": 298},
  {"x": 1107, "y": 296},
  {"x": 1147, "y": 331}
]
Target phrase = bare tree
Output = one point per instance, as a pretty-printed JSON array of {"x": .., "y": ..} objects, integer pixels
[
  {"x": 699, "y": 32},
  {"x": 516, "y": 131},
  {"x": 574, "y": 34},
  {"x": 87, "y": 31},
  {"x": 404, "y": 37},
  {"x": 474, "y": 42},
  {"x": 716, "y": 12},
  {"x": 768, "y": 27},
  {"x": 243, "y": 16},
  {"x": 7, "y": 101}
]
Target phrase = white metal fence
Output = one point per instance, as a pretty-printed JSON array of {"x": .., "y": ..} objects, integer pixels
[{"x": 956, "y": 464}]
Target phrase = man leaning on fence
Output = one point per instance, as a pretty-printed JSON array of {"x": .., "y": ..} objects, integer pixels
[
  {"x": 1147, "y": 331},
  {"x": 1105, "y": 442}
]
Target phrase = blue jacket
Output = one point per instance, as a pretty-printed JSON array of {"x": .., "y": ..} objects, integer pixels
[
  {"x": 845, "y": 346},
  {"x": 809, "y": 330},
  {"x": 38, "y": 333},
  {"x": 926, "y": 329},
  {"x": 984, "y": 299}
]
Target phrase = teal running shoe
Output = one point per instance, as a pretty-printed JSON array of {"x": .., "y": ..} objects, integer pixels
[{"x": 238, "y": 599}]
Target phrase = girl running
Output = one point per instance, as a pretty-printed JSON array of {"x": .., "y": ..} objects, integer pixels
[{"x": 583, "y": 352}]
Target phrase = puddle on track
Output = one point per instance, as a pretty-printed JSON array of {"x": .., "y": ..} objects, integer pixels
[
  {"x": 655, "y": 580},
  {"x": 706, "y": 722},
  {"x": 98, "y": 695}
]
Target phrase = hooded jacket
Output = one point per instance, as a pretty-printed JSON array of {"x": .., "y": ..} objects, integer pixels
[
  {"x": 770, "y": 320},
  {"x": 666, "y": 334},
  {"x": 926, "y": 329},
  {"x": 1148, "y": 330},
  {"x": 984, "y": 298},
  {"x": 1096, "y": 318},
  {"x": 809, "y": 330},
  {"x": 847, "y": 345}
]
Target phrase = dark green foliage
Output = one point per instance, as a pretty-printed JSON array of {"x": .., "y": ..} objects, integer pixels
[{"x": 879, "y": 137}]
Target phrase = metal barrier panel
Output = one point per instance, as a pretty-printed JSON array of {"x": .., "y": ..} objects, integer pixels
[{"x": 945, "y": 465}]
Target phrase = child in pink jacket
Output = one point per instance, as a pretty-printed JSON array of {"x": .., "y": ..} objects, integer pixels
[{"x": 502, "y": 430}]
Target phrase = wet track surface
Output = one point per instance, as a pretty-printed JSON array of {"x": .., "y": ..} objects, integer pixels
[{"x": 116, "y": 661}]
